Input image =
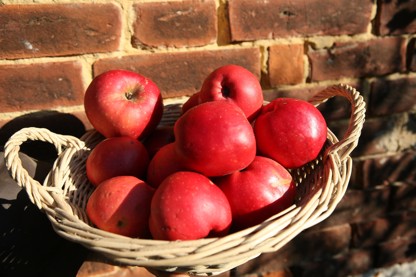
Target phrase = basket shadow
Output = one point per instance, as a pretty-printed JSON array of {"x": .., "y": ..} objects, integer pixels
[{"x": 29, "y": 245}]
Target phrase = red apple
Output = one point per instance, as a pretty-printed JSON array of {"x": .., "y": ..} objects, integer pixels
[
  {"x": 186, "y": 206},
  {"x": 121, "y": 205},
  {"x": 116, "y": 156},
  {"x": 214, "y": 138},
  {"x": 235, "y": 84},
  {"x": 161, "y": 136},
  {"x": 290, "y": 131},
  {"x": 164, "y": 163},
  {"x": 257, "y": 192},
  {"x": 123, "y": 103}
]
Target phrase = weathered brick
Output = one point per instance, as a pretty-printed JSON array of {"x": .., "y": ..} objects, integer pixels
[
  {"x": 356, "y": 261},
  {"x": 348, "y": 264},
  {"x": 286, "y": 65},
  {"x": 396, "y": 251},
  {"x": 182, "y": 73},
  {"x": 334, "y": 108},
  {"x": 381, "y": 135},
  {"x": 304, "y": 93},
  {"x": 279, "y": 273},
  {"x": 404, "y": 196},
  {"x": 396, "y": 17},
  {"x": 253, "y": 20},
  {"x": 309, "y": 245},
  {"x": 374, "y": 57},
  {"x": 324, "y": 243},
  {"x": 390, "y": 96},
  {"x": 358, "y": 206},
  {"x": 387, "y": 228},
  {"x": 411, "y": 55},
  {"x": 58, "y": 30},
  {"x": 338, "y": 107},
  {"x": 175, "y": 24},
  {"x": 384, "y": 171},
  {"x": 40, "y": 86}
]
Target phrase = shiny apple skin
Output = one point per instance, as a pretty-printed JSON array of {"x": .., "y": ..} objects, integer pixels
[
  {"x": 214, "y": 138},
  {"x": 187, "y": 206},
  {"x": 123, "y": 103},
  {"x": 257, "y": 192},
  {"x": 117, "y": 156},
  {"x": 121, "y": 205},
  {"x": 290, "y": 131},
  {"x": 232, "y": 83}
]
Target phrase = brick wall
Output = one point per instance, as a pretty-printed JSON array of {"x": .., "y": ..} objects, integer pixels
[{"x": 50, "y": 52}]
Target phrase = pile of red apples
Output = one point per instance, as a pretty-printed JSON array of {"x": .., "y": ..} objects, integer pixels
[{"x": 223, "y": 166}]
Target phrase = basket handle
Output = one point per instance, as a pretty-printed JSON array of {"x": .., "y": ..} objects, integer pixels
[
  {"x": 38, "y": 194},
  {"x": 347, "y": 144}
]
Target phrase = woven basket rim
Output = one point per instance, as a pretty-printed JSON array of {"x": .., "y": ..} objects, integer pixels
[{"x": 206, "y": 256}]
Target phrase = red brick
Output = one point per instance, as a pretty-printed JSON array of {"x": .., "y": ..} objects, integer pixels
[
  {"x": 280, "y": 273},
  {"x": 334, "y": 108},
  {"x": 182, "y": 73},
  {"x": 326, "y": 242},
  {"x": 396, "y": 251},
  {"x": 358, "y": 206},
  {"x": 40, "y": 86},
  {"x": 338, "y": 107},
  {"x": 391, "y": 227},
  {"x": 411, "y": 55},
  {"x": 383, "y": 135},
  {"x": 253, "y": 20},
  {"x": 396, "y": 17},
  {"x": 304, "y": 93},
  {"x": 58, "y": 30},
  {"x": 355, "y": 262},
  {"x": 358, "y": 59},
  {"x": 379, "y": 135},
  {"x": 348, "y": 264},
  {"x": 309, "y": 245},
  {"x": 375, "y": 135},
  {"x": 286, "y": 65},
  {"x": 404, "y": 196},
  {"x": 383, "y": 171},
  {"x": 175, "y": 24},
  {"x": 307, "y": 92},
  {"x": 390, "y": 96}
]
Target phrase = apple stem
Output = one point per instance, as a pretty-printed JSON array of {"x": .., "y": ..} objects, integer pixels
[{"x": 133, "y": 94}]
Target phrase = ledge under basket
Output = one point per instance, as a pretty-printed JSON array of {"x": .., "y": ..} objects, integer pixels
[{"x": 321, "y": 184}]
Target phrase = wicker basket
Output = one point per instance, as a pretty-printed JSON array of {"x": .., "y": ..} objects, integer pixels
[{"x": 320, "y": 186}]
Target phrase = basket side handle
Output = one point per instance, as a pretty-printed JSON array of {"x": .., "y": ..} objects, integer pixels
[
  {"x": 38, "y": 194},
  {"x": 350, "y": 140}
]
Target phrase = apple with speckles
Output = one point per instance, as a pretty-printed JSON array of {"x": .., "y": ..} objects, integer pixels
[
  {"x": 123, "y": 103},
  {"x": 290, "y": 131},
  {"x": 121, "y": 205},
  {"x": 187, "y": 206},
  {"x": 214, "y": 138},
  {"x": 257, "y": 192},
  {"x": 116, "y": 156},
  {"x": 232, "y": 83}
]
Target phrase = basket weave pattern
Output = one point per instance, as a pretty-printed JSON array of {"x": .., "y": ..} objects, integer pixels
[{"x": 63, "y": 196}]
